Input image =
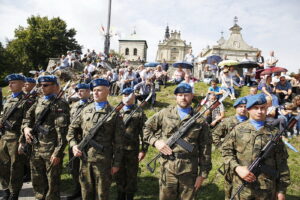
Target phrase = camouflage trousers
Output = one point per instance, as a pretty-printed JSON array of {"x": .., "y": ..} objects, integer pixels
[
  {"x": 173, "y": 187},
  {"x": 75, "y": 165},
  {"x": 254, "y": 194},
  {"x": 45, "y": 177},
  {"x": 11, "y": 166},
  {"x": 126, "y": 178},
  {"x": 95, "y": 180}
]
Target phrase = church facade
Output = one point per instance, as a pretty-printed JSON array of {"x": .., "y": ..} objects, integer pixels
[{"x": 172, "y": 48}]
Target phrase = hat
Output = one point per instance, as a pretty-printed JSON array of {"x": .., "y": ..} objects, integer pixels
[
  {"x": 82, "y": 86},
  {"x": 127, "y": 91},
  {"x": 99, "y": 82},
  {"x": 258, "y": 99},
  {"x": 30, "y": 80},
  {"x": 241, "y": 100},
  {"x": 14, "y": 77},
  {"x": 183, "y": 88},
  {"x": 47, "y": 78}
]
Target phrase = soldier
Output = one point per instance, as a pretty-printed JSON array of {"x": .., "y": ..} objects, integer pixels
[
  {"x": 222, "y": 130},
  {"x": 99, "y": 164},
  {"x": 30, "y": 83},
  {"x": 244, "y": 144},
  {"x": 182, "y": 177},
  {"x": 83, "y": 91},
  {"x": 11, "y": 167},
  {"x": 47, "y": 155},
  {"x": 126, "y": 178}
]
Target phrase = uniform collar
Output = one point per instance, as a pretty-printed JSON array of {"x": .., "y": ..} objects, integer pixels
[
  {"x": 16, "y": 94},
  {"x": 48, "y": 97}
]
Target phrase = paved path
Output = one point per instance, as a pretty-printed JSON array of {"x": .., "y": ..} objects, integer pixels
[{"x": 27, "y": 192}]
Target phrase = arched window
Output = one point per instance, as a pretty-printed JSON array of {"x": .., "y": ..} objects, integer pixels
[
  {"x": 135, "y": 51},
  {"x": 126, "y": 51}
]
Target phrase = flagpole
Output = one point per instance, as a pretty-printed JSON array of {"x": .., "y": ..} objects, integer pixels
[{"x": 107, "y": 35}]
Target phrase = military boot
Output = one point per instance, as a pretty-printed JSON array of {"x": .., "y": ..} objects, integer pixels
[
  {"x": 129, "y": 196},
  {"x": 121, "y": 196},
  {"x": 6, "y": 194}
]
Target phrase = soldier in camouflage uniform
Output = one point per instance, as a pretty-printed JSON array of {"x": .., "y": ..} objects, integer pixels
[
  {"x": 99, "y": 164},
  {"x": 244, "y": 144},
  {"x": 11, "y": 163},
  {"x": 222, "y": 130},
  {"x": 182, "y": 177},
  {"x": 47, "y": 155},
  {"x": 30, "y": 83},
  {"x": 83, "y": 91},
  {"x": 126, "y": 178}
]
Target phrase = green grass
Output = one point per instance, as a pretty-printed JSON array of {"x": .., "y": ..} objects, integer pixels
[{"x": 213, "y": 186}]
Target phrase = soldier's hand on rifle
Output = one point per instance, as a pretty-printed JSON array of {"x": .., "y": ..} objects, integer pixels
[
  {"x": 76, "y": 151},
  {"x": 141, "y": 156},
  {"x": 114, "y": 170},
  {"x": 280, "y": 196},
  {"x": 198, "y": 182},
  {"x": 21, "y": 148},
  {"x": 54, "y": 160},
  {"x": 245, "y": 174},
  {"x": 163, "y": 147},
  {"x": 28, "y": 135}
]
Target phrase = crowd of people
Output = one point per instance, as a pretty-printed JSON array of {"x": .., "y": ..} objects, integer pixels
[{"x": 38, "y": 129}]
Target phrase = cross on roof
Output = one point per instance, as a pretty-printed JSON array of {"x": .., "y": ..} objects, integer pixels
[
  {"x": 235, "y": 20},
  {"x": 222, "y": 33}
]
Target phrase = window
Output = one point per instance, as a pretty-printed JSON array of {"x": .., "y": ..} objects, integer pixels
[
  {"x": 126, "y": 51},
  {"x": 135, "y": 51}
]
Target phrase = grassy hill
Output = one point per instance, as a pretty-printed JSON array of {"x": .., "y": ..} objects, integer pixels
[{"x": 213, "y": 186}]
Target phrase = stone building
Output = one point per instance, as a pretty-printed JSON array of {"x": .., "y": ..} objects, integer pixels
[
  {"x": 172, "y": 48},
  {"x": 234, "y": 48},
  {"x": 133, "y": 48}
]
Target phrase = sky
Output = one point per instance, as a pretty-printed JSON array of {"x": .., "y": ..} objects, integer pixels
[{"x": 267, "y": 25}]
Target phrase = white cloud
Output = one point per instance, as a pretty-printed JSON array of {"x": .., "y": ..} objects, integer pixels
[{"x": 270, "y": 24}]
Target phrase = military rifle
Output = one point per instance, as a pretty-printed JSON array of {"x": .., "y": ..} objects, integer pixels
[
  {"x": 176, "y": 138},
  {"x": 257, "y": 166},
  {"x": 88, "y": 139},
  {"x": 5, "y": 124},
  {"x": 126, "y": 121}
]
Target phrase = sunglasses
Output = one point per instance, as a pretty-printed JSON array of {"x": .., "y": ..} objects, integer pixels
[{"x": 45, "y": 85}]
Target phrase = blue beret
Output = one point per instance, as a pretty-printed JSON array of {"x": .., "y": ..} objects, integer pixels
[
  {"x": 30, "y": 80},
  {"x": 183, "y": 88},
  {"x": 82, "y": 86},
  {"x": 258, "y": 99},
  {"x": 99, "y": 82},
  {"x": 127, "y": 91},
  {"x": 47, "y": 78},
  {"x": 241, "y": 100},
  {"x": 15, "y": 77}
]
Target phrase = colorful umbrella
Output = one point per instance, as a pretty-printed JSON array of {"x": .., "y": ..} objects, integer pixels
[
  {"x": 248, "y": 64},
  {"x": 152, "y": 64},
  {"x": 273, "y": 70},
  {"x": 228, "y": 63},
  {"x": 211, "y": 59},
  {"x": 183, "y": 64}
]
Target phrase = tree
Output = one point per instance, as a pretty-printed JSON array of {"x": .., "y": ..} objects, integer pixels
[{"x": 41, "y": 40}]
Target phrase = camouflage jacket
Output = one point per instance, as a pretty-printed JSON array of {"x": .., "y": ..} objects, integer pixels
[
  {"x": 244, "y": 145},
  {"x": 17, "y": 117},
  {"x": 134, "y": 129},
  {"x": 75, "y": 112},
  {"x": 110, "y": 135},
  {"x": 54, "y": 142},
  {"x": 164, "y": 123},
  {"x": 223, "y": 129}
]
